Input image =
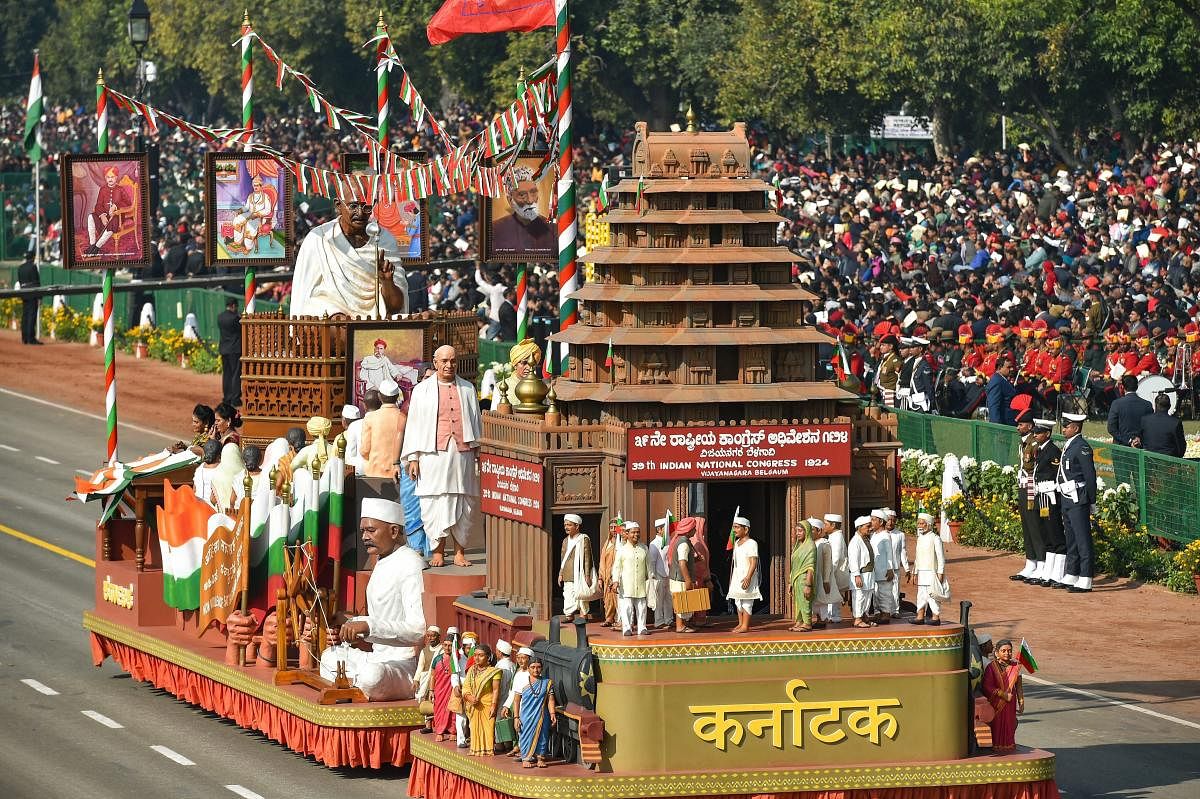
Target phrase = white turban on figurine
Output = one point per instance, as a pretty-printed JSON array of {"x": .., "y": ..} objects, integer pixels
[
  {"x": 385, "y": 510},
  {"x": 573, "y": 517}
]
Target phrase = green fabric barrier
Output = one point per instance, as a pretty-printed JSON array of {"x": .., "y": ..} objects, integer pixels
[{"x": 1168, "y": 488}]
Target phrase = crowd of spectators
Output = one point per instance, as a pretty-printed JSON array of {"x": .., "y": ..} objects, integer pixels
[{"x": 1100, "y": 242}]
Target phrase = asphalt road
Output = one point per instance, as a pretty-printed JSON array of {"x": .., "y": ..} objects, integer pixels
[
  {"x": 63, "y": 745},
  {"x": 48, "y": 746}
]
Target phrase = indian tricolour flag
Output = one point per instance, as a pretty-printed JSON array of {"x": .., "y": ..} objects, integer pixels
[
  {"x": 304, "y": 505},
  {"x": 1025, "y": 658},
  {"x": 264, "y": 540},
  {"x": 602, "y": 205},
  {"x": 333, "y": 489},
  {"x": 183, "y": 524}
]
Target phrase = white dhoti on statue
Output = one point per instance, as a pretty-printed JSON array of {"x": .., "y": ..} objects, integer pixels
[
  {"x": 332, "y": 276},
  {"x": 380, "y": 681},
  {"x": 885, "y": 597},
  {"x": 449, "y": 494},
  {"x": 396, "y": 621},
  {"x": 572, "y": 604},
  {"x": 658, "y": 594}
]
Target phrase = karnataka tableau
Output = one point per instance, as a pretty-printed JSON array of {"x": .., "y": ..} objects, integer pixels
[
  {"x": 518, "y": 227},
  {"x": 105, "y": 199},
  {"x": 248, "y": 205},
  {"x": 402, "y": 223}
]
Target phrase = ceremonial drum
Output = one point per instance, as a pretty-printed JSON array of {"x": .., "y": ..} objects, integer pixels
[
  {"x": 693, "y": 601},
  {"x": 1151, "y": 386}
]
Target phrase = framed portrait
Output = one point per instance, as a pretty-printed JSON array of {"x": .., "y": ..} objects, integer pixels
[
  {"x": 247, "y": 211},
  {"x": 106, "y": 219},
  {"x": 519, "y": 227},
  {"x": 378, "y": 350},
  {"x": 402, "y": 224}
]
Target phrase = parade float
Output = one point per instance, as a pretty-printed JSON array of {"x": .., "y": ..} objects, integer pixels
[{"x": 683, "y": 380}]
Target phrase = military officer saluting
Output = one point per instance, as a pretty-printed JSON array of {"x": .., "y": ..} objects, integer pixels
[
  {"x": 1076, "y": 481},
  {"x": 1027, "y": 492},
  {"x": 1049, "y": 512}
]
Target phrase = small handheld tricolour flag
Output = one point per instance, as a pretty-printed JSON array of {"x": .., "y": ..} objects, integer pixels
[
  {"x": 1025, "y": 658},
  {"x": 602, "y": 205},
  {"x": 639, "y": 204},
  {"x": 729, "y": 543},
  {"x": 670, "y": 523},
  {"x": 608, "y": 359}
]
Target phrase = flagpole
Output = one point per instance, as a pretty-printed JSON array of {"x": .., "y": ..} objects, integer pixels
[
  {"x": 110, "y": 351},
  {"x": 522, "y": 303},
  {"x": 251, "y": 286},
  {"x": 567, "y": 223},
  {"x": 37, "y": 162},
  {"x": 381, "y": 80}
]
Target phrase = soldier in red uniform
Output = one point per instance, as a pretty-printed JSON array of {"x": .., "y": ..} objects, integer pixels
[
  {"x": 1145, "y": 361},
  {"x": 1059, "y": 368},
  {"x": 995, "y": 350}
]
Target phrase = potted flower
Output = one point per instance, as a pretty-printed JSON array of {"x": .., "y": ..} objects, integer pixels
[{"x": 137, "y": 339}]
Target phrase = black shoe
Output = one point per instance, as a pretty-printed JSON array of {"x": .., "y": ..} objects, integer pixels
[
  {"x": 1062, "y": 585},
  {"x": 935, "y": 623},
  {"x": 1020, "y": 577},
  {"x": 1046, "y": 583},
  {"x": 1077, "y": 590},
  {"x": 918, "y": 621},
  {"x": 35, "y": 341}
]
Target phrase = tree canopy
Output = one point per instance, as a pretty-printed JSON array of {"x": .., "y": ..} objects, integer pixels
[{"x": 1058, "y": 68}]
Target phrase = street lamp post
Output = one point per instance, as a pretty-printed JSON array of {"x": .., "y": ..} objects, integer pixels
[{"x": 138, "y": 26}]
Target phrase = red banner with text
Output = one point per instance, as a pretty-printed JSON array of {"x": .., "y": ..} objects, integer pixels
[
  {"x": 511, "y": 489},
  {"x": 732, "y": 453}
]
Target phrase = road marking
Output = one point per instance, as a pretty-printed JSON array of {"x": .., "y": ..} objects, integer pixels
[
  {"x": 43, "y": 459},
  {"x": 41, "y": 688},
  {"x": 1117, "y": 702},
  {"x": 245, "y": 793},
  {"x": 102, "y": 719},
  {"x": 96, "y": 416},
  {"x": 7, "y": 448},
  {"x": 171, "y": 754},
  {"x": 55, "y": 548}
]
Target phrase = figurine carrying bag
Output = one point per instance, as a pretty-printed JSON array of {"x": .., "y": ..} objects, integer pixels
[{"x": 506, "y": 731}]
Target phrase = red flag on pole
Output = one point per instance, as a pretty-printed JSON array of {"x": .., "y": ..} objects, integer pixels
[{"x": 458, "y": 17}]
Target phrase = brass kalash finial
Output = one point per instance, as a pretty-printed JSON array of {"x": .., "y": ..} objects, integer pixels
[{"x": 691, "y": 119}]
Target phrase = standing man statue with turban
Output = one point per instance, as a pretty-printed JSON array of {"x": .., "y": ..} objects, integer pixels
[{"x": 440, "y": 454}]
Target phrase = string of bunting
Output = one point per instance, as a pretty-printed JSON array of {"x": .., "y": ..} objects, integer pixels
[{"x": 458, "y": 169}]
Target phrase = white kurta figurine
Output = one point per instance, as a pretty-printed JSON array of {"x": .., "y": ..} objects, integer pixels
[
  {"x": 899, "y": 558},
  {"x": 930, "y": 566},
  {"x": 339, "y": 270},
  {"x": 631, "y": 572},
  {"x": 395, "y": 622},
  {"x": 861, "y": 562},
  {"x": 744, "y": 580},
  {"x": 441, "y": 442},
  {"x": 885, "y": 575}
]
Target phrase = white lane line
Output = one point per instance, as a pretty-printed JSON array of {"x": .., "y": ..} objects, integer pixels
[
  {"x": 7, "y": 448},
  {"x": 96, "y": 416},
  {"x": 171, "y": 754},
  {"x": 41, "y": 688},
  {"x": 245, "y": 793},
  {"x": 50, "y": 461},
  {"x": 1117, "y": 702},
  {"x": 102, "y": 719}
]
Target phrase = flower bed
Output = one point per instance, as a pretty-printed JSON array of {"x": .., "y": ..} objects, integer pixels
[
  {"x": 988, "y": 512},
  {"x": 163, "y": 343}
]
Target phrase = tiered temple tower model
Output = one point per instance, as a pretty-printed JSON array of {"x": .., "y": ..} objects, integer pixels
[{"x": 707, "y": 330}]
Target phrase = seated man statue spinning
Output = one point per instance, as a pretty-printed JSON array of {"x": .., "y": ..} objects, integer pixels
[
  {"x": 383, "y": 657},
  {"x": 340, "y": 270}
]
